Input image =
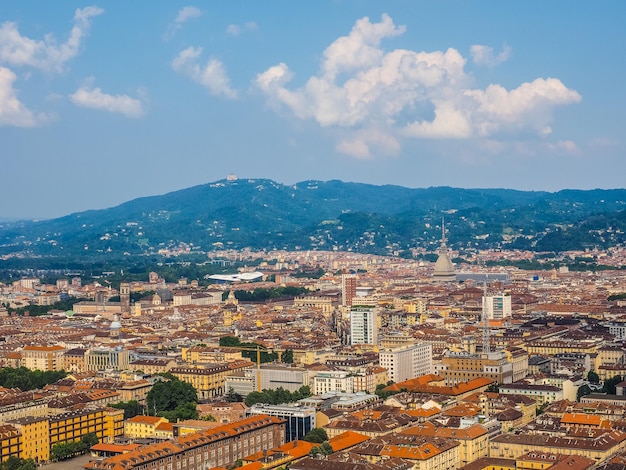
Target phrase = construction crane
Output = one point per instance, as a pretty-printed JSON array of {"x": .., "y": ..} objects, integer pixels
[{"x": 258, "y": 350}]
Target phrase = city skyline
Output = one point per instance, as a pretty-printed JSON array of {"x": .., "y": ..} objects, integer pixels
[{"x": 104, "y": 103}]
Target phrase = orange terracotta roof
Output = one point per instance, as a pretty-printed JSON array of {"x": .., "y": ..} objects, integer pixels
[
  {"x": 423, "y": 452},
  {"x": 102, "y": 447},
  {"x": 346, "y": 439},
  {"x": 168, "y": 427},
  {"x": 297, "y": 449},
  {"x": 250, "y": 466},
  {"x": 459, "y": 389},
  {"x": 429, "y": 430},
  {"x": 141, "y": 419},
  {"x": 581, "y": 418}
]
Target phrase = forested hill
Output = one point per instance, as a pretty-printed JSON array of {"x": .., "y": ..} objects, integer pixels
[{"x": 327, "y": 215}]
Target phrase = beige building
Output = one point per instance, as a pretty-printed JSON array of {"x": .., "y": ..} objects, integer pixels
[
  {"x": 209, "y": 354},
  {"x": 324, "y": 304},
  {"x": 474, "y": 440},
  {"x": 541, "y": 393},
  {"x": 512, "y": 446},
  {"x": 425, "y": 453},
  {"x": 44, "y": 358},
  {"x": 153, "y": 366},
  {"x": 221, "y": 446},
  {"x": 463, "y": 367},
  {"x": 209, "y": 381},
  {"x": 142, "y": 426},
  {"x": 104, "y": 358}
]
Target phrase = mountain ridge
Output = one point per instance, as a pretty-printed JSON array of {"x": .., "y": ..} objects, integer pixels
[{"x": 384, "y": 219}]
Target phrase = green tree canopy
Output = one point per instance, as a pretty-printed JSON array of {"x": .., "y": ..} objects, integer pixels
[
  {"x": 316, "y": 435},
  {"x": 26, "y": 379},
  {"x": 582, "y": 391},
  {"x": 277, "y": 396},
  {"x": 593, "y": 377},
  {"x": 167, "y": 395},
  {"x": 131, "y": 408},
  {"x": 609, "y": 384}
]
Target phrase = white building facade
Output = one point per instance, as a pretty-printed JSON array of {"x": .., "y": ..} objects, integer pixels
[
  {"x": 407, "y": 362},
  {"x": 363, "y": 325}
]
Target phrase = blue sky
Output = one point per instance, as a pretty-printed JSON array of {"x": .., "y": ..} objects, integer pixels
[{"x": 103, "y": 103}]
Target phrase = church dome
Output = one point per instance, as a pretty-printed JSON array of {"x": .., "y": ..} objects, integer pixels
[{"x": 444, "y": 269}]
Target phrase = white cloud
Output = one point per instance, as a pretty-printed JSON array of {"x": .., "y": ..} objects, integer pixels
[
  {"x": 526, "y": 107},
  {"x": 564, "y": 146},
  {"x": 212, "y": 75},
  {"x": 187, "y": 13},
  {"x": 46, "y": 54},
  {"x": 366, "y": 143},
  {"x": 184, "y": 14},
  {"x": 483, "y": 55},
  {"x": 236, "y": 30},
  {"x": 12, "y": 111},
  {"x": 364, "y": 89},
  {"x": 95, "y": 98}
]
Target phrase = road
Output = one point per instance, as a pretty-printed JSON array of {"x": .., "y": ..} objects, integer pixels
[{"x": 72, "y": 464}]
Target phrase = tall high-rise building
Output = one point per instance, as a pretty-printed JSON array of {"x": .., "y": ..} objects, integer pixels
[
  {"x": 348, "y": 289},
  {"x": 364, "y": 325},
  {"x": 497, "y": 307}
]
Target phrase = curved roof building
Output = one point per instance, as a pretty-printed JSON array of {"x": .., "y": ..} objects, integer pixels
[{"x": 444, "y": 269}]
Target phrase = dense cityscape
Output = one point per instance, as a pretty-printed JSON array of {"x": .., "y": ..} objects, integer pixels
[
  {"x": 324, "y": 235},
  {"x": 367, "y": 362}
]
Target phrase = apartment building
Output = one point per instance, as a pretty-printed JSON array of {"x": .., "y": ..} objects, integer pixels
[
  {"x": 45, "y": 358},
  {"x": 221, "y": 446},
  {"x": 407, "y": 362}
]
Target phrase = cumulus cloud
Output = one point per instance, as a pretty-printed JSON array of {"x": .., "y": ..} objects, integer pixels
[
  {"x": 409, "y": 94},
  {"x": 363, "y": 142},
  {"x": 237, "y": 30},
  {"x": 12, "y": 111},
  {"x": 184, "y": 14},
  {"x": 94, "y": 98},
  {"x": 46, "y": 54},
  {"x": 212, "y": 76},
  {"x": 483, "y": 55}
]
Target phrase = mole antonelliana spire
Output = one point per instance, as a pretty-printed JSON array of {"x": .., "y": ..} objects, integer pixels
[{"x": 444, "y": 269}]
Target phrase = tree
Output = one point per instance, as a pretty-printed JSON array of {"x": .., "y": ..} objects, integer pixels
[
  {"x": 232, "y": 396},
  {"x": 593, "y": 378},
  {"x": 16, "y": 463},
  {"x": 382, "y": 393},
  {"x": 167, "y": 395},
  {"x": 316, "y": 435},
  {"x": 494, "y": 387},
  {"x": 181, "y": 412},
  {"x": 287, "y": 356},
  {"x": 323, "y": 449},
  {"x": 326, "y": 448},
  {"x": 62, "y": 451},
  {"x": 90, "y": 439},
  {"x": 609, "y": 384},
  {"x": 277, "y": 396},
  {"x": 230, "y": 341},
  {"x": 582, "y": 391},
  {"x": 131, "y": 408}
]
